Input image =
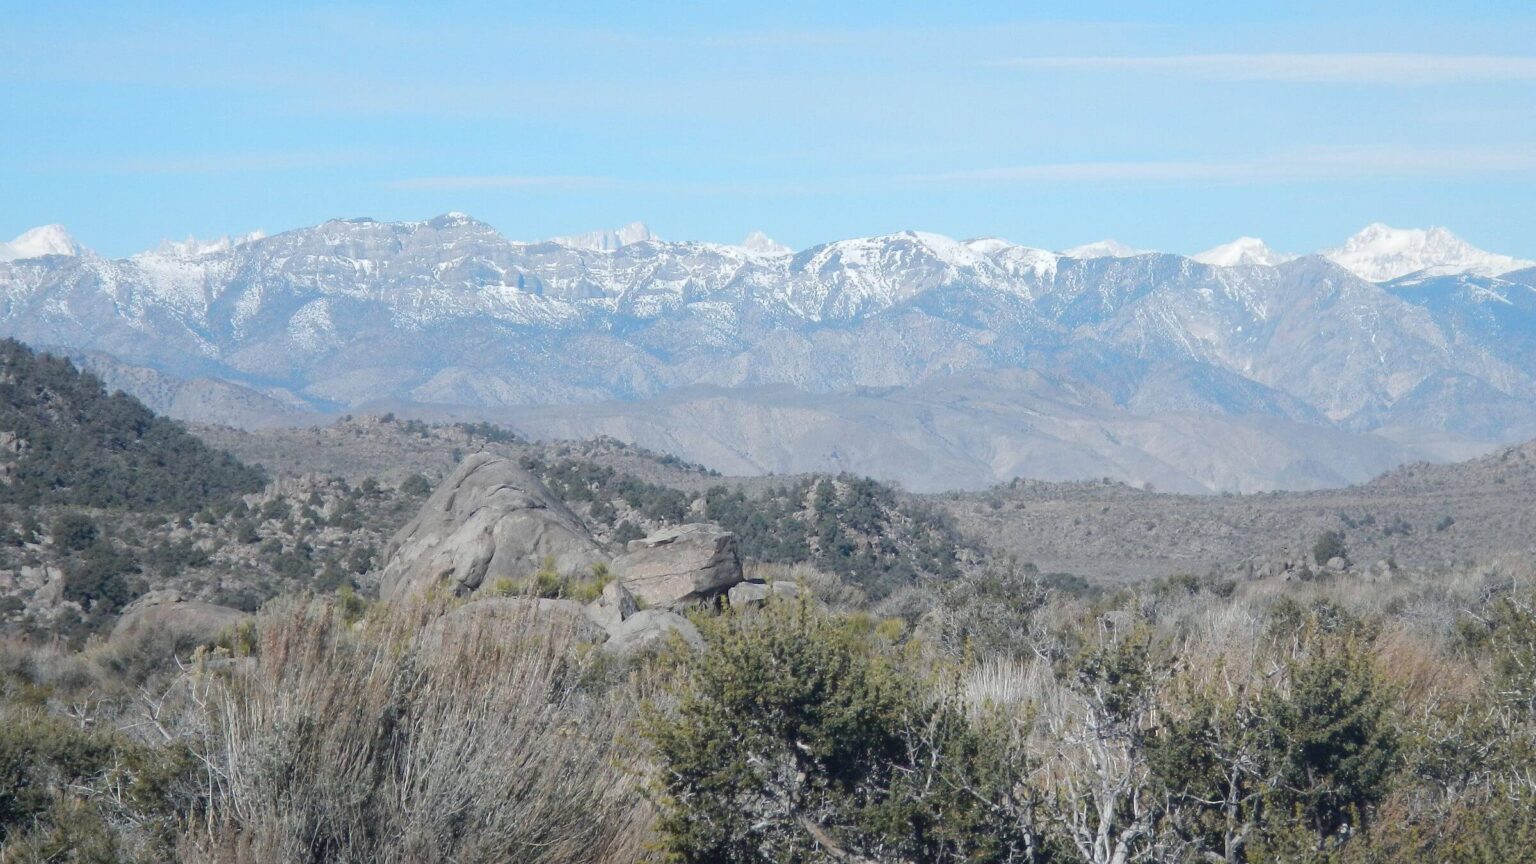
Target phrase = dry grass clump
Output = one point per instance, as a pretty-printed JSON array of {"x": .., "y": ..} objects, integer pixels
[{"x": 358, "y": 741}]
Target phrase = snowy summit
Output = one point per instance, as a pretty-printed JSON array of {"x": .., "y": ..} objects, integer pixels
[
  {"x": 1242, "y": 251},
  {"x": 759, "y": 243},
  {"x": 1103, "y": 249},
  {"x": 608, "y": 241},
  {"x": 44, "y": 240},
  {"x": 192, "y": 247},
  {"x": 1380, "y": 253}
]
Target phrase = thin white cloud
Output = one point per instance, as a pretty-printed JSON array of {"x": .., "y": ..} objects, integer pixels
[
  {"x": 1100, "y": 172},
  {"x": 504, "y": 181},
  {"x": 1371, "y": 68},
  {"x": 234, "y": 163},
  {"x": 1340, "y": 165}
]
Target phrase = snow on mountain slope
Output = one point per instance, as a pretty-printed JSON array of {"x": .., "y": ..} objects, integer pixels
[
  {"x": 852, "y": 278},
  {"x": 1379, "y": 253},
  {"x": 1103, "y": 249},
  {"x": 40, "y": 241},
  {"x": 1243, "y": 250}
]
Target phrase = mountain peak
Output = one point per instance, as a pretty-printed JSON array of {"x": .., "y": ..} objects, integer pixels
[
  {"x": 192, "y": 247},
  {"x": 1243, "y": 250},
  {"x": 761, "y": 244},
  {"x": 1379, "y": 253},
  {"x": 1103, "y": 249},
  {"x": 455, "y": 219},
  {"x": 608, "y": 241},
  {"x": 988, "y": 245},
  {"x": 40, "y": 241}
]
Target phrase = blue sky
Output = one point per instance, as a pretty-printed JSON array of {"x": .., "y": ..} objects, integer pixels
[{"x": 1176, "y": 127}]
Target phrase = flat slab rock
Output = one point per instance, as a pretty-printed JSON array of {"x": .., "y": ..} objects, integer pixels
[
  {"x": 489, "y": 520},
  {"x": 681, "y": 565},
  {"x": 752, "y": 594}
]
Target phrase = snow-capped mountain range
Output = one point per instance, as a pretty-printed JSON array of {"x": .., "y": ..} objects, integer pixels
[
  {"x": 1377, "y": 253},
  {"x": 1236, "y": 369}
]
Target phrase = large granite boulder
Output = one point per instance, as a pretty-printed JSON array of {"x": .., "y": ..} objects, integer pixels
[
  {"x": 165, "y": 617},
  {"x": 507, "y": 619},
  {"x": 681, "y": 565},
  {"x": 488, "y": 521},
  {"x": 649, "y": 629}
]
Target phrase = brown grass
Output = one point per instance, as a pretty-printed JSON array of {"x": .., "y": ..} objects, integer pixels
[{"x": 362, "y": 742}]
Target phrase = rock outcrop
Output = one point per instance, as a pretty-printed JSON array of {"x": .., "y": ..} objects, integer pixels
[
  {"x": 164, "y": 616},
  {"x": 681, "y": 565},
  {"x": 489, "y": 520}
]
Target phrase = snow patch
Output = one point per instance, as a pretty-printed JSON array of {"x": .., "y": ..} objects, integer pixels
[{"x": 311, "y": 328}]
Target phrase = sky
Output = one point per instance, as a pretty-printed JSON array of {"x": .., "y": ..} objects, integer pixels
[{"x": 1166, "y": 126}]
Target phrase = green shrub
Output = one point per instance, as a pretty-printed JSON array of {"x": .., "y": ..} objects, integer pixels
[
  {"x": 1329, "y": 545},
  {"x": 73, "y": 532},
  {"x": 794, "y": 739},
  {"x": 51, "y": 770},
  {"x": 1333, "y": 737},
  {"x": 416, "y": 485}
]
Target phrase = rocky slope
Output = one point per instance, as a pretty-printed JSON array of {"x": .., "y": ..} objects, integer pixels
[
  {"x": 1419, "y": 515},
  {"x": 1416, "y": 516}
]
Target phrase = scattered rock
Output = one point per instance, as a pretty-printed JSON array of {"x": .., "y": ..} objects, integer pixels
[
  {"x": 651, "y": 628},
  {"x": 489, "y": 520},
  {"x": 1118, "y": 620},
  {"x": 1381, "y": 571},
  {"x": 680, "y": 565},
  {"x": 613, "y": 607},
  {"x": 1337, "y": 564},
  {"x": 752, "y": 594},
  {"x": 51, "y": 588}
]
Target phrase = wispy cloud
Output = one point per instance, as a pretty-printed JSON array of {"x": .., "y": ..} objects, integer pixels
[
  {"x": 233, "y": 163},
  {"x": 1373, "y": 68},
  {"x": 504, "y": 181},
  {"x": 1350, "y": 164}
]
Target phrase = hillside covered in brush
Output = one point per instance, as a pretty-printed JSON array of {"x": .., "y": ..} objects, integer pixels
[
  {"x": 854, "y": 527},
  {"x": 65, "y": 440}
]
